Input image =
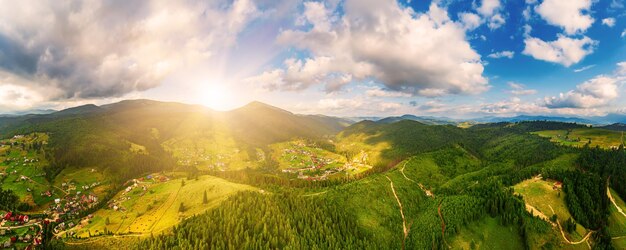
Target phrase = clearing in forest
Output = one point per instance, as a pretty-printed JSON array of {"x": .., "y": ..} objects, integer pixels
[
  {"x": 580, "y": 136},
  {"x": 547, "y": 197}
]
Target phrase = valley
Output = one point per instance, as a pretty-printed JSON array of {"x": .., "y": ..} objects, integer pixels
[{"x": 131, "y": 177}]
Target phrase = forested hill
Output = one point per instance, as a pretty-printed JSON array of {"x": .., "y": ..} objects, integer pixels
[{"x": 101, "y": 136}]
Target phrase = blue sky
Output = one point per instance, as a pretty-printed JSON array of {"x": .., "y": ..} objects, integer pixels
[{"x": 345, "y": 58}]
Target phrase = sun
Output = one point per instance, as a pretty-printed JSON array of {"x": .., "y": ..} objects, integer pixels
[{"x": 216, "y": 96}]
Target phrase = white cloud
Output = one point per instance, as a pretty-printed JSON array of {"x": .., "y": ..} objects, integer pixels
[
  {"x": 490, "y": 11},
  {"x": 381, "y": 40},
  {"x": 358, "y": 105},
  {"x": 623, "y": 33},
  {"x": 489, "y": 7},
  {"x": 99, "y": 49},
  {"x": 571, "y": 15},
  {"x": 379, "y": 92},
  {"x": 609, "y": 21},
  {"x": 496, "y": 21},
  {"x": 564, "y": 50},
  {"x": 520, "y": 89},
  {"x": 527, "y": 13},
  {"x": 584, "y": 68},
  {"x": 527, "y": 30},
  {"x": 470, "y": 21},
  {"x": 621, "y": 68},
  {"x": 501, "y": 54},
  {"x": 597, "y": 92}
]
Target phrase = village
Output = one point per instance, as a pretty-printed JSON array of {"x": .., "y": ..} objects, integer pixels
[
  {"x": 315, "y": 164},
  {"x": 21, "y": 170}
]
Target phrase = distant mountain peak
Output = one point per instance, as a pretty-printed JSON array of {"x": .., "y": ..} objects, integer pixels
[{"x": 256, "y": 105}]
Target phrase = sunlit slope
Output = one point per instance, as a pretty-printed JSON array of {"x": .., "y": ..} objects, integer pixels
[
  {"x": 107, "y": 136},
  {"x": 158, "y": 207},
  {"x": 579, "y": 137},
  {"x": 385, "y": 144}
]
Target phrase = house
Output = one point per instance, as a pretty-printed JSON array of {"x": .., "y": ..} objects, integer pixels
[
  {"x": 557, "y": 185},
  {"x": 7, "y": 244}
]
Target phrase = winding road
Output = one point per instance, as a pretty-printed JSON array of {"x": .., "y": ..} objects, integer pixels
[
  {"x": 535, "y": 212},
  {"x": 426, "y": 191},
  {"x": 405, "y": 229}
]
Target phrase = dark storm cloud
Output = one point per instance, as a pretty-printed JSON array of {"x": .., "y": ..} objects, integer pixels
[{"x": 14, "y": 57}]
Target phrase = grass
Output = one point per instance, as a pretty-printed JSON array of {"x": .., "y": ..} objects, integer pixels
[
  {"x": 487, "y": 234},
  {"x": 436, "y": 168},
  {"x": 215, "y": 149},
  {"x": 157, "y": 209},
  {"x": 617, "y": 222},
  {"x": 16, "y": 162},
  {"x": 541, "y": 195},
  {"x": 359, "y": 150},
  {"x": 580, "y": 136},
  {"x": 84, "y": 176},
  {"x": 297, "y": 154}
]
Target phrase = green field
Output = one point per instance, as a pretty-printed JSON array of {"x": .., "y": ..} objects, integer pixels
[
  {"x": 157, "y": 208},
  {"x": 19, "y": 158},
  {"x": 542, "y": 196},
  {"x": 208, "y": 150},
  {"x": 617, "y": 222},
  {"x": 580, "y": 136},
  {"x": 487, "y": 234},
  {"x": 299, "y": 156},
  {"x": 437, "y": 168}
]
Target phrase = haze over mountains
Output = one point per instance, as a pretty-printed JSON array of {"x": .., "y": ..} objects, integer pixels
[{"x": 431, "y": 120}]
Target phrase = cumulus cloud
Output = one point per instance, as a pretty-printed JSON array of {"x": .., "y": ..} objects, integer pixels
[
  {"x": 597, "y": 92},
  {"x": 564, "y": 50},
  {"x": 379, "y": 92},
  {"x": 470, "y": 21},
  {"x": 359, "y": 105},
  {"x": 571, "y": 15},
  {"x": 609, "y": 21},
  {"x": 490, "y": 11},
  {"x": 100, "y": 48},
  {"x": 501, "y": 54},
  {"x": 488, "y": 7},
  {"x": 381, "y": 40},
  {"x": 509, "y": 107},
  {"x": 520, "y": 89}
]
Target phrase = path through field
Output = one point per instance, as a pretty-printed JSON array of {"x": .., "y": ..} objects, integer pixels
[
  {"x": 405, "y": 230},
  {"x": 171, "y": 199},
  {"x": 426, "y": 191},
  {"x": 66, "y": 193},
  {"x": 535, "y": 212},
  {"x": 619, "y": 209}
]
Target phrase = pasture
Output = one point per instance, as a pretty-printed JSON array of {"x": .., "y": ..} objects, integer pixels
[
  {"x": 580, "y": 136},
  {"x": 544, "y": 197},
  {"x": 617, "y": 222},
  {"x": 157, "y": 208},
  {"x": 487, "y": 234}
]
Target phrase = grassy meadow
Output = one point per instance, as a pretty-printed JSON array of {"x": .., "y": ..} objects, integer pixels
[
  {"x": 158, "y": 207},
  {"x": 578, "y": 137}
]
